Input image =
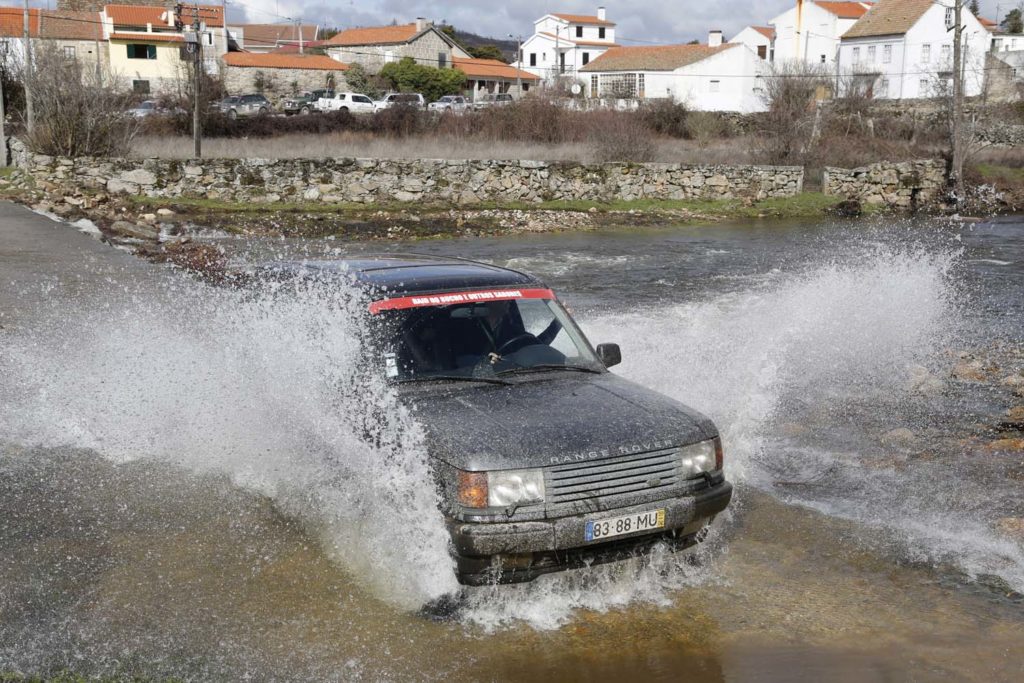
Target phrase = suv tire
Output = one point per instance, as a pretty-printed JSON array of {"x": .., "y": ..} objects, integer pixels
[{"x": 232, "y": 114}]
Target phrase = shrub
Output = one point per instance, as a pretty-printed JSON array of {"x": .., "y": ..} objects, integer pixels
[
  {"x": 76, "y": 120},
  {"x": 665, "y": 117},
  {"x": 406, "y": 75}
]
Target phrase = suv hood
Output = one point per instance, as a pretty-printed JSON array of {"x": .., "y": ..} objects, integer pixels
[{"x": 549, "y": 419}]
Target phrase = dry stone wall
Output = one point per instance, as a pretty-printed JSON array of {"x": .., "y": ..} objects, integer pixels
[
  {"x": 419, "y": 180},
  {"x": 902, "y": 185}
]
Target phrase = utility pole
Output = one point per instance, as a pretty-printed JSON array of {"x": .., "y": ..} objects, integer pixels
[
  {"x": 30, "y": 119},
  {"x": 956, "y": 172},
  {"x": 194, "y": 44},
  {"x": 3, "y": 133}
]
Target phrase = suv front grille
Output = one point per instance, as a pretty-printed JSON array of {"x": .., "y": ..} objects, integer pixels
[{"x": 613, "y": 476}]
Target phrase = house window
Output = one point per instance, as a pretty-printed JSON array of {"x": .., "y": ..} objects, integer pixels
[
  {"x": 715, "y": 86},
  {"x": 823, "y": 59},
  {"x": 886, "y": 54},
  {"x": 526, "y": 87},
  {"x": 883, "y": 88},
  {"x": 950, "y": 17},
  {"x": 856, "y": 55},
  {"x": 762, "y": 51},
  {"x": 621, "y": 85},
  {"x": 586, "y": 58},
  {"x": 926, "y": 53},
  {"x": 561, "y": 62},
  {"x": 944, "y": 53},
  {"x": 533, "y": 59},
  {"x": 640, "y": 85},
  {"x": 871, "y": 54},
  {"x": 140, "y": 87},
  {"x": 593, "y": 85},
  {"x": 922, "y": 87},
  {"x": 69, "y": 52},
  {"x": 141, "y": 51},
  {"x": 579, "y": 31},
  {"x": 442, "y": 60},
  {"x": 600, "y": 33}
]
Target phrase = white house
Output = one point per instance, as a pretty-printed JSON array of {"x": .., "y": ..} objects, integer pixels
[
  {"x": 760, "y": 39},
  {"x": 904, "y": 49},
  {"x": 809, "y": 32},
  {"x": 712, "y": 77},
  {"x": 562, "y": 44}
]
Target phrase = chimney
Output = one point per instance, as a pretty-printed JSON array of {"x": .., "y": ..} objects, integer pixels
[
  {"x": 422, "y": 23},
  {"x": 600, "y": 13},
  {"x": 714, "y": 38}
]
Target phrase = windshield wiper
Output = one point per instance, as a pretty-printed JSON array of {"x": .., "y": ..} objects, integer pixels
[
  {"x": 454, "y": 378},
  {"x": 548, "y": 366}
]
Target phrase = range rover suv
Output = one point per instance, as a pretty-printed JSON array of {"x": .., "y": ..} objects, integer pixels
[{"x": 544, "y": 460}]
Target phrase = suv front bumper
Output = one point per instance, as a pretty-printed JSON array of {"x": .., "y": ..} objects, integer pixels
[{"x": 500, "y": 552}]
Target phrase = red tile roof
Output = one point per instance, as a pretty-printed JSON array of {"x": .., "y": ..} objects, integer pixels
[
  {"x": 69, "y": 25},
  {"x": 654, "y": 57},
  {"x": 889, "y": 17},
  {"x": 375, "y": 35},
  {"x": 12, "y": 22},
  {"x": 274, "y": 35},
  {"x": 143, "y": 37},
  {"x": 989, "y": 24},
  {"x": 140, "y": 15},
  {"x": 766, "y": 31},
  {"x": 582, "y": 19},
  {"x": 846, "y": 10},
  {"x": 282, "y": 61},
  {"x": 490, "y": 69}
]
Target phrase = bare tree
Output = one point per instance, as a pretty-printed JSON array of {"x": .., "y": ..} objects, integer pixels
[
  {"x": 77, "y": 120},
  {"x": 789, "y": 126}
]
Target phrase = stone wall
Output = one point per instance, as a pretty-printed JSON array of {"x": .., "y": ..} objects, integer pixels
[
  {"x": 904, "y": 185},
  {"x": 278, "y": 83},
  {"x": 420, "y": 180}
]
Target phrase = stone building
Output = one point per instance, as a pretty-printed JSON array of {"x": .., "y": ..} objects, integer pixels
[
  {"x": 277, "y": 75},
  {"x": 375, "y": 46}
]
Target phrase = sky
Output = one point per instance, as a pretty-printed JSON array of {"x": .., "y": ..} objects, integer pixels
[{"x": 639, "y": 22}]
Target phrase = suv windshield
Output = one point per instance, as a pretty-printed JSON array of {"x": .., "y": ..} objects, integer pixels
[{"x": 481, "y": 340}]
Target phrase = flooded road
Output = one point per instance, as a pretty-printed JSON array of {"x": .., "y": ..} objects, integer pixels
[{"x": 180, "y": 494}]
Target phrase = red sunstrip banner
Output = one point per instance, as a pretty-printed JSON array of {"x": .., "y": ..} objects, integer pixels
[{"x": 450, "y": 298}]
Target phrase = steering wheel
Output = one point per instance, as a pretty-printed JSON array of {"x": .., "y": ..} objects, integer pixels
[{"x": 517, "y": 342}]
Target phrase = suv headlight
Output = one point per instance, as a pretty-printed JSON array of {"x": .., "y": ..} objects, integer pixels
[
  {"x": 701, "y": 457},
  {"x": 502, "y": 488}
]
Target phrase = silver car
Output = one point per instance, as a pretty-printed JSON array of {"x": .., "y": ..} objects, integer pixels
[
  {"x": 248, "y": 105},
  {"x": 452, "y": 103}
]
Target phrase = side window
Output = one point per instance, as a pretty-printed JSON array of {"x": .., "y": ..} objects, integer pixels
[
  {"x": 600, "y": 33},
  {"x": 579, "y": 31}
]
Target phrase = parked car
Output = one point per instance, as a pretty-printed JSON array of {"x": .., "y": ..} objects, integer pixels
[
  {"x": 354, "y": 102},
  {"x": 543, "y": 460},
  {"x": 248, "y": 105},
  {"x": 147, "y": 108},
  {"x": 408, "y": 99},
  {"x": 225, "y": 104},
  {"x": 304, "y": 102},
  {"x": 502, "y": 99},
  {"x": 453, "y": 103}
]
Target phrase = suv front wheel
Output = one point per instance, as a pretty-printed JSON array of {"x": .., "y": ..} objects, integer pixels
[{"x": 232, "y": 114}]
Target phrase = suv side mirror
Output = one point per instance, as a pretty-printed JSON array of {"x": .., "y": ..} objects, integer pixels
[{"x": 609, "y": 354}]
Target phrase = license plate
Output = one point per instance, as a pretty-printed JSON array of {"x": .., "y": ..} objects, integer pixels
[{"x": 600, "y": 529}]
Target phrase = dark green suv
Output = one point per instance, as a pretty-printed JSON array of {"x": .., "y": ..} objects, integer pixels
[{"x": 304, "y": 102}]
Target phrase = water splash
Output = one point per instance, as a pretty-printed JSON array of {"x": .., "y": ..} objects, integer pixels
[{"x": 265, "y": 385}]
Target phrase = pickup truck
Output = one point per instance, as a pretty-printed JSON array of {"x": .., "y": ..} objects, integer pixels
[
  {"x": 356, "y": 103},
  {"x": 543, "y": 460},
  {"x": 452, "y": 103},
  {"x": 394, "y": 99}
]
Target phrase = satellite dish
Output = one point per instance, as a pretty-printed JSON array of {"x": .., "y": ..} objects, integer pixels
[{"x": 576, "y": 88}]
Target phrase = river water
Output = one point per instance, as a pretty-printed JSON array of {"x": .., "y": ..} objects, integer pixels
[{"x": 181, "y": 493}]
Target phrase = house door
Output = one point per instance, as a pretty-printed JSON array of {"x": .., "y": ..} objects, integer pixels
[{"x": 561, "y": 62}]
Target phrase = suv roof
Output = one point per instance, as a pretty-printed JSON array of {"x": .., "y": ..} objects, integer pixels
[{"x": 412, "y": 273}]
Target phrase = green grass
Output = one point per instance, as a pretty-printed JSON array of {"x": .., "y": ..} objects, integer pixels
[
  {"x": 1005, "y": 174},
  {"x": 804, "y": 205}
]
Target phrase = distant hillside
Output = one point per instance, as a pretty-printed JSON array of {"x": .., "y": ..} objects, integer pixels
[{"x": 472, "y": 40}]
